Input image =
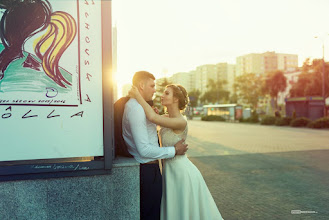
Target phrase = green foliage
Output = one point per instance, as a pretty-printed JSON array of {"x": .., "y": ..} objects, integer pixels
[
  {"x": 300, "y": 122},
  {"x": 283, "y": 121},
  {"x": 233, "y": 98},
  {"x": 194, "y": 96},
  {"x": 274, "y": 83},
  {"x": 212, "y": 118},
  {"x": 310, "y": 80},
  {"x": 160, "y": 87},
  {"x": 268, "y": 120},
  {"x": 215, "y": 92},
  {"x": 248, "y": 88},
  {"x": 253, "y": 119},
  {"x": 319, "y": 123}
]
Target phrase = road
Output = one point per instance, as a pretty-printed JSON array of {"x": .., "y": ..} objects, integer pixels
[{"x": 263, "y": 172}]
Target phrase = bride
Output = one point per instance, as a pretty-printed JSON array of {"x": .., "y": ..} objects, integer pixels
[{"x": 185, "y": 194}]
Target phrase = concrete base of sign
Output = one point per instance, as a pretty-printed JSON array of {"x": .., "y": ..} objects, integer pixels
[{"x": 114, "y": 196}]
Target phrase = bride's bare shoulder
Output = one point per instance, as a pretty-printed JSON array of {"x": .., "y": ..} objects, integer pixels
[{"x": 183, "y": 122}]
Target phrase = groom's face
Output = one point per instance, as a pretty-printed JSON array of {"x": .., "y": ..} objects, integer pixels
[{"x": 148, "y": 89}]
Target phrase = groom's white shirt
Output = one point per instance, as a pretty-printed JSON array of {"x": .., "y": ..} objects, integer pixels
[{"x": 141, "y": 135}]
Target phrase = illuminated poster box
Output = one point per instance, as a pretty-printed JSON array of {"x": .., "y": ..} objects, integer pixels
[{"x": 53, "y": 61}]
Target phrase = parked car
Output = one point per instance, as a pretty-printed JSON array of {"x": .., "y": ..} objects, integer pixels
[{"x": 197, "y": 110}]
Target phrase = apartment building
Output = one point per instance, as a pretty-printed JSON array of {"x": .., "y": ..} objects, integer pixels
[
  {"x": 203, "y": 74},
  {"x": 250, "y": 63},
  {"x": 186, "y": 79},
  {"x": 226, "y": 72},
  {"x": 260, "y": 63},
  {"x": 287, "y": 62},
  {"x": 198, "y": 78}
]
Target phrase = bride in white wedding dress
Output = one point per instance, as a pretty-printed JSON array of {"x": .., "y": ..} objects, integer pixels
[{"x": 185, "y": 195}]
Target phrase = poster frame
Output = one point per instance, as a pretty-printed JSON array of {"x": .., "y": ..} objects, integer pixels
[{"x": 79, "y": 166}]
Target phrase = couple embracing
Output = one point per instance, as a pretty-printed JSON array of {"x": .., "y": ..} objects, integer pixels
[{"x": 180, "y": 192}]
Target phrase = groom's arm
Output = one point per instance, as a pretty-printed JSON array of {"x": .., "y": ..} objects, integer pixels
[{"x": 138, "y": 127}]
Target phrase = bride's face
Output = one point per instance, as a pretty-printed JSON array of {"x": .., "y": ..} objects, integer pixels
[{"x": 167, "y": 97}]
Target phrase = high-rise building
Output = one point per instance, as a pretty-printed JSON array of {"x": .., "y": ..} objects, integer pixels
[
  {"x": 250, "y": 63},
  {"x": 287, "y": 62},
  {"x": 226, "y": 72},
  {"x": 198, "y": 79},
  {"x": 269, "y": 62},
  {"x": 203, "y": 74},
  {"x": 186, "y": 79},
  {"x": 260, "y": 63}
]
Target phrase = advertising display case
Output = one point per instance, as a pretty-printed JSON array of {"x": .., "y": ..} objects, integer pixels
[{"x": 56, "y": 88}]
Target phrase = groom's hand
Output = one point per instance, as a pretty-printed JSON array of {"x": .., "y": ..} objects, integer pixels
[{"x": 180, "y": 147}]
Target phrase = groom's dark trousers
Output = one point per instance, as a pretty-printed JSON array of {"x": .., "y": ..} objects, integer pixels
[
  {"x": 150, "y": 192},
  {"x": 150, "y": 176}
]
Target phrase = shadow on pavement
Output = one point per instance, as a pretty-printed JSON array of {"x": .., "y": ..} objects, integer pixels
[{"x": 268, "y": 185}]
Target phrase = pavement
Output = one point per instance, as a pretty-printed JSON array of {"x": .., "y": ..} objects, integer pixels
[{"x": 263, "y": 172}]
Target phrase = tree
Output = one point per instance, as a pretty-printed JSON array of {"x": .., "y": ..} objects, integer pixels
[
  {"x": 310, "y": 80},
  {"x": 301, "y": 86},
  {"x": 160, "y": 87},
  {"x": 274, "y": 83},
  {"x": 215, "y": 92},
  {"x": 234, "y": 98},
  {"x": 194, "y": 96},
  {"x": 248, "y": 88}
]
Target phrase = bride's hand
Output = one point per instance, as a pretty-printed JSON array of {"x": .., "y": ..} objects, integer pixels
[{"x": 133, "y": 92}]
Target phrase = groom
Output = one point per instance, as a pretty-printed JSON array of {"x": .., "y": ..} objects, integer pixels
[{"x": 140, "y": 136}]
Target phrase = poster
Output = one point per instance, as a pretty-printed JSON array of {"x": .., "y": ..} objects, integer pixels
[{"x": 50, "y": 79}]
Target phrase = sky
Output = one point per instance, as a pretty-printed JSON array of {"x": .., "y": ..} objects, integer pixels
[{"x": 169, "y": 36}]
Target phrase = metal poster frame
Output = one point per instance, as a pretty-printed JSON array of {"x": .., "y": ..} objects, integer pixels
[{"x": 80, "y": 166}]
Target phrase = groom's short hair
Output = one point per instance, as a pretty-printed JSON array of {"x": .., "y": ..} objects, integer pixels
[{"x": 142, "y": 75}]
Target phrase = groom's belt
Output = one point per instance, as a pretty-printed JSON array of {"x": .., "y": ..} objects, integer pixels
[{"x": 152, "y": 162}]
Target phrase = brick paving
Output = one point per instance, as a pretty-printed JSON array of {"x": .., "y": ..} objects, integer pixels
[{"x": 263, "y": 172}]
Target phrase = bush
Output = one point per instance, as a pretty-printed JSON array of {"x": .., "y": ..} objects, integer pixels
[
  {"x": 319, "y": 123},
  {"x": 212, "y": 118},
  {"x": 283, "y": 121},
  {"x": 268, "y": 120},
  {"x": 252, "y": 119},
  {"x": 300, "y": 122}
]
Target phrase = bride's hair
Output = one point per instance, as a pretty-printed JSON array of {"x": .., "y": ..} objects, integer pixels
[{"x": 180, "y": 92}]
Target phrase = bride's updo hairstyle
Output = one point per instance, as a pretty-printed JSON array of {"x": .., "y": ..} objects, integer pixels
[{"x": 180, "y": 93}]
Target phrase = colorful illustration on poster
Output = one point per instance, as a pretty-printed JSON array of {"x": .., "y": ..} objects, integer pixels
[{"x": 22, "y": 71}]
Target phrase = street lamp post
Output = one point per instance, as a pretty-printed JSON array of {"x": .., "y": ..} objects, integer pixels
[{"x": 323, "y": 79}]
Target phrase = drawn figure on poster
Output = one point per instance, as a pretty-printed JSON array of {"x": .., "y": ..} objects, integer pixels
[{"x": 22, "y": 19}]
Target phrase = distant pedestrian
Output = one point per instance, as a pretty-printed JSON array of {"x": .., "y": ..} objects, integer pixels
[{"x": 277, "y": 114}]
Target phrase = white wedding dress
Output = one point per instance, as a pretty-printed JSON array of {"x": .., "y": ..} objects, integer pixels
[{"x": 185, "y": 195}]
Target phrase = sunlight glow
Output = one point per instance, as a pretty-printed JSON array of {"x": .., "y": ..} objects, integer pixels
[{"x": 178, "y": 36}]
